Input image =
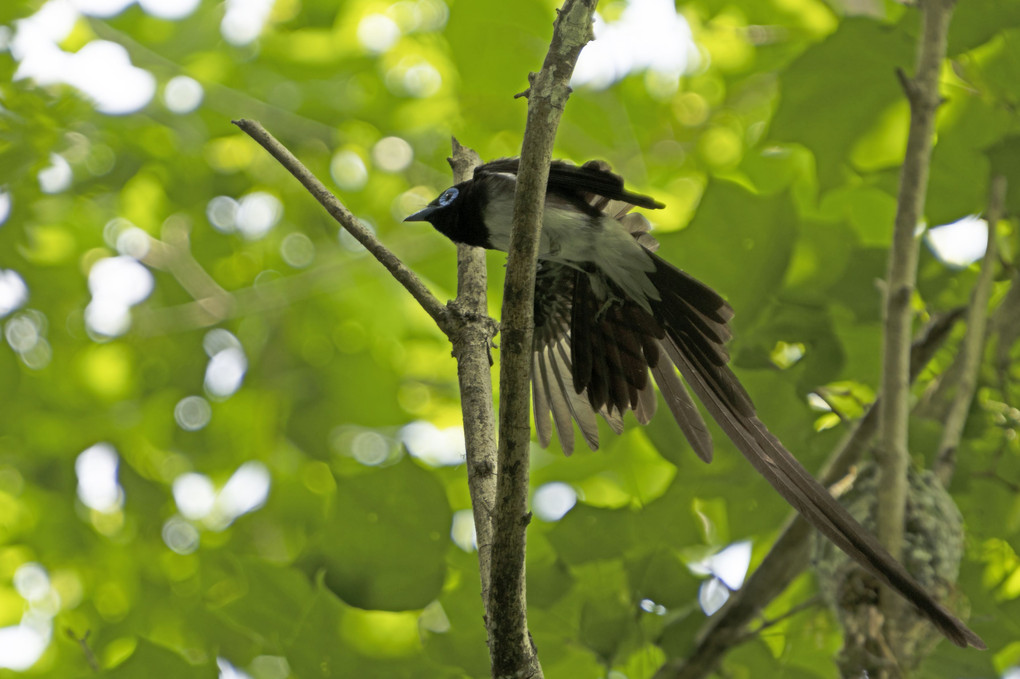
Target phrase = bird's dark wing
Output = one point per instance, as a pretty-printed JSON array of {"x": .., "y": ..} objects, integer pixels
[
  {"x": 578, "y": 182},
  {"x": 552, "y": 383},
  {"x": 603, "y": 367}
]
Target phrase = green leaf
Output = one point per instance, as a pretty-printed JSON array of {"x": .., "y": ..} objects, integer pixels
[
  {"x": 833, "y": 92},
  {"x": 385, "y": 538},
  {"x": 148, "y": 656},
  {"x": 738, "y": 243},
  {"x": 265, "y": 600},
  {"x": 1005, "y": 159},
  {"x": 590, "y": 533}
]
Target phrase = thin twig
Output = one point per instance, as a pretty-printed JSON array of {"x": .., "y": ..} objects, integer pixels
[
  {"x": 893, "y": 453},
  {"x": 432, "y": 306},
  {"x": 86, "y": 650},
  {"x": 513, "y": 654},
  {"x": 972, "y": 348}
]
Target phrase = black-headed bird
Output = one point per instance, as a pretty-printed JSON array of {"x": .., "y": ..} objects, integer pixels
[{"x": 609, "y": 312}]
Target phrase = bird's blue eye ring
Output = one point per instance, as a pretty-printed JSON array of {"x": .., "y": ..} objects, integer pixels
[{"x": 449, "y": 195}]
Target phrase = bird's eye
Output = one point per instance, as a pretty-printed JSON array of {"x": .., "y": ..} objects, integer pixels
[{"x": 448, "y": 197}]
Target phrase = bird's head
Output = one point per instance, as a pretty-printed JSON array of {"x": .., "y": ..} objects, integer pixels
[
  {"x": 439, "y": 210},
  {"x": 455, "y": 214}
]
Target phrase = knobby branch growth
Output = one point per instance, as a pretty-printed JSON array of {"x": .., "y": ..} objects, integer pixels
[
  {"x": 513, "y": 654},
  {"x": 471, "y": 349},
  {"x": 893, "y": 452}
]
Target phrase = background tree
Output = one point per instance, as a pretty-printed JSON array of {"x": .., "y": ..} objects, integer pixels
[{"x": 210, "y": 394}]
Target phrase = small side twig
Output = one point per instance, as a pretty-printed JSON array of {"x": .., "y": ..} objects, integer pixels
[
  {"x": 86, "y": 650},
  {"x": 973, "y": 344}
]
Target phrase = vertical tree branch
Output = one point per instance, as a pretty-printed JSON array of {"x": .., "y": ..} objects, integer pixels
[
  {"x": 472, "y": 338},
  {"x": 513, "y": 654},
  {"x": 893, "y": 454},
  {"x": 973, "y": 344}
]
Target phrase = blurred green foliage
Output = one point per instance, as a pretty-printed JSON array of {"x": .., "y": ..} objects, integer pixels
[{"x": 777, "y": 155}]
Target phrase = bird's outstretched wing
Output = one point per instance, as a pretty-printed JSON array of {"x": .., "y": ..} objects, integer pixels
[{"x": 593, "y": 353}]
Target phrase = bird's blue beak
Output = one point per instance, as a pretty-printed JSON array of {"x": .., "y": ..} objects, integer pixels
[{"x": 422, "y": 215}]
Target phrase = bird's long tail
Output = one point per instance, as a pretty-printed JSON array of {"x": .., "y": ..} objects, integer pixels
[{"x": 695, "y": 347}]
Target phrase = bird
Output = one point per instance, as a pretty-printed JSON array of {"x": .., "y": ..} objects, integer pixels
[{"x": 610, "y": 315}]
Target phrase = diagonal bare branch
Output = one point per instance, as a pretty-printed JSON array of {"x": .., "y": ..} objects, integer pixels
[{"x": 432, "y": 306}]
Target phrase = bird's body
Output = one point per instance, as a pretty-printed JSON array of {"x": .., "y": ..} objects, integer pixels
[{"x": 609, "y": 312}]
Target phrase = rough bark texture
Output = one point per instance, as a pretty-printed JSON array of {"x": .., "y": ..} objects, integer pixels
[
  {"x": 893, "y": 453},
  {"x": 472, "y": 342},
  {"x": 513, "y": 654}
]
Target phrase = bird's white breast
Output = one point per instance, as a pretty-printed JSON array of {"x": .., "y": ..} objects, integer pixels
[{"x": 572, "y": 238}]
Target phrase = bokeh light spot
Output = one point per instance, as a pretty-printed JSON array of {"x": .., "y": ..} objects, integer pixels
[
  {"x": 169, "y": 9},
  {"x": 370, "y": 448},
  {"x": 245, "y": 491},
  {"x": 377, "y": 33},
  {"x": 96, "y": 468},
  {"x": 120, "y": 279},
  {"x": 420, "y": 79},
  {"x": 244, "y": 20},
  {"x": 225, "y": 372},
  {"x": 103, "y": 71},
  {"x": 217, "y": 340},
  {"x": 553, "y": 500},
  {"x": 102, "y": 8},
  {"x": 182, "y": 94},
  {"x": 194, "y": 494},
  {"x": 13, "y": 291},
  {"x": 57, "y": 176},
  {"x": 392, "y": 154},
  {"x": 348, "y": 171},
  {"x": 21, "y": 646},
  {"x": 228, "y": 671},
  {"x": 25, "y": 333},
  {"x": 192, "y": 413},
  {"x": 116, "y": 284},
  {"x": 462, "y": 531},
  {"x": 180, "y": 536},
  {"x": 133, "y": 242},
  {"x": 221, "y": 212},
  {"x": 5, "y": 206},
  {"x": 434, "y": 446},
  {"x": 32, "y": 582},
  {"x": 297, "y": 250},
  {"x": 960, "y": 243},
  {"x": 649, "y": 34},
  {"x": 257, "y": 213}
]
